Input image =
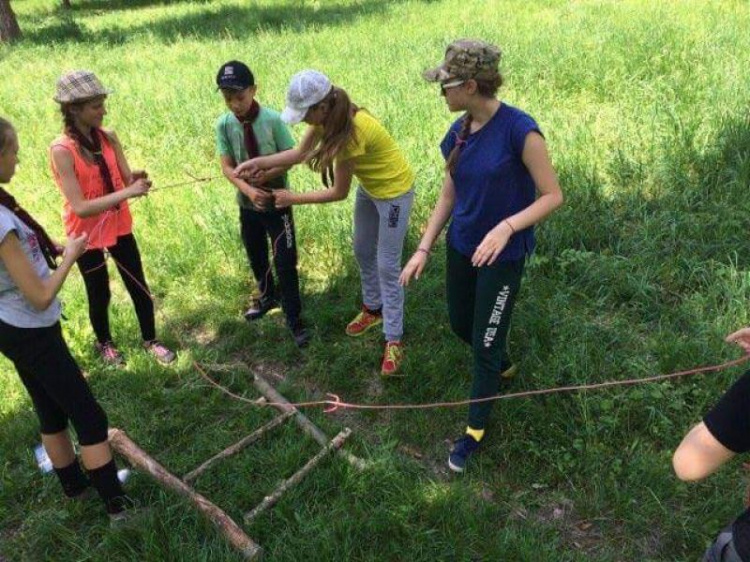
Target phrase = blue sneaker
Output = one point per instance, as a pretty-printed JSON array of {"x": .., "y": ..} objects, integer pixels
[{"x": 462, "y": 450}]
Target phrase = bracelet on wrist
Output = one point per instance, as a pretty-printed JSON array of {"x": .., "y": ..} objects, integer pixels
[
  {"x": 423, "y": 250},
  {"x": 512, "y": 230}
]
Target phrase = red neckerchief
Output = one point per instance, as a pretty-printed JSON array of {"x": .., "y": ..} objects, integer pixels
[{"x": 251, "y": 143}]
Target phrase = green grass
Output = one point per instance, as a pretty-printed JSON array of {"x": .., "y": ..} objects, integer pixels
[{"x": 644, "y": 106}]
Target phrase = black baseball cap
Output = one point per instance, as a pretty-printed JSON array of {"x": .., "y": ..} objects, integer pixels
[{"x": 234, "y": 75}]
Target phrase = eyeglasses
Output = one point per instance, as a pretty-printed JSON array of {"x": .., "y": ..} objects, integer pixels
[{"x": 449, "y": 85}]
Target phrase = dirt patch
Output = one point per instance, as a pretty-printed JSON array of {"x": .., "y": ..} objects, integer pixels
[
  {"x": 592, "y": 537},
  {"x": 204, "y": 335},
  {"x": 435, "y": 466},
  {"x": 374, "y": 387},
  {"x": 272, "y": 371},
  {"x": 580, "y": 534}
]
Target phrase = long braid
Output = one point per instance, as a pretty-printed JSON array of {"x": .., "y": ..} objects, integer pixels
[
  {"x": 450, "y": 163},
  {"x": 94, "y": 146}
]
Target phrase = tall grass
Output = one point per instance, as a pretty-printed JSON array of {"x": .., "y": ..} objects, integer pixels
[{"x": 644, "y": 107}]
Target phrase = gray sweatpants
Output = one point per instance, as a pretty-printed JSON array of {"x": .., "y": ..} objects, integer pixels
[{"x": 379, "y": 230}]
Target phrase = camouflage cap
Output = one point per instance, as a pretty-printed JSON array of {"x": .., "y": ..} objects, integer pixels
[{"x": 466, "y": 58}]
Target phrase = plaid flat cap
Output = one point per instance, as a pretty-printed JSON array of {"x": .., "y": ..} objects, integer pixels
[
  {"x": 79, "y": 85},
  {"x": 466, "y": 59}
]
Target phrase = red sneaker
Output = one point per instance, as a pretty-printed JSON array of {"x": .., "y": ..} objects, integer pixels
[
  {"x": 363, "y": 322},
  {"x": 392, "y": 358}
]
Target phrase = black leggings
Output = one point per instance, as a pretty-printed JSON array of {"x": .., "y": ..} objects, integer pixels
[
  {"x": 54, "y": 382},
  {"x": 260, "y": 228},
  {"x": 96, "y": 278}
]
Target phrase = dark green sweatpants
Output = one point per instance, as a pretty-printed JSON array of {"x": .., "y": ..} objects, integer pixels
[{"x": 480, "y": 304}]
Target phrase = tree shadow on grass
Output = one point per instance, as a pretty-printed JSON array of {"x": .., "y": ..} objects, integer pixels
[
  {"x": 226, "y": 22},
  {"x": 109, "y": 5},
  {"x": 639, "y": 274},
  {"x": 636, "y": 275}
]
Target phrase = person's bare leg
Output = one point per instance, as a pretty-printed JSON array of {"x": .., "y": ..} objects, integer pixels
[
  {"x": 96, "y": 456},
  {"x": 59, "y": 448}
]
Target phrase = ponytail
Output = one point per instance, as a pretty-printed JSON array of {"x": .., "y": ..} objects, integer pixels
[{"x": 338, "y": 132}]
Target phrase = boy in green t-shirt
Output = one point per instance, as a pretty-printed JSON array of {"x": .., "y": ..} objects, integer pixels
[{"x": 248, "y": 130}]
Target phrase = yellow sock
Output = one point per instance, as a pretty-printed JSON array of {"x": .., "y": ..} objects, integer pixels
[{"x": 477, "y": 434}]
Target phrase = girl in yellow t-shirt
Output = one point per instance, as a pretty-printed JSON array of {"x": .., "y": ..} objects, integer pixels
[{"x": 343, "y": 142}]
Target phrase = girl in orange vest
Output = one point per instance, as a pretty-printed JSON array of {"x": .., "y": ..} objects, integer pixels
[{"x": 91, "y": 171}]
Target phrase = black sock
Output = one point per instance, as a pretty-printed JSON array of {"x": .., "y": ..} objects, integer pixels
[
  {"x": 105, "y": 480},
  {"x": 374, "y": 311},
  {"x": 72, "y": 479}
]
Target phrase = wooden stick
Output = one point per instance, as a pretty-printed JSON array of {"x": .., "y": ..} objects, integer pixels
[
  {"x": 237, "y": 447},
  {"x": 271, "y": 500},
  {"x": 307, "y": 426},
  {"x": 139, "y": 458}
]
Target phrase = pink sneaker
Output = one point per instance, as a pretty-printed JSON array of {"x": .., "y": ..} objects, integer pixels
[
  {"x": 109, "y": 353},
  {"x": 163, "y": 354}
]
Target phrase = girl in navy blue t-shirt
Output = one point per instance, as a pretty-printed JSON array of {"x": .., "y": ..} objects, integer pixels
[{"x": 499, "y": 183}]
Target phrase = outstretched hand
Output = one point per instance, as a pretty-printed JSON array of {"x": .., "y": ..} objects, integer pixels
[
  {"x": 740, "y": 337},
  {"x": 283, "y": 198},
  {"x": 247, "y": 170}
]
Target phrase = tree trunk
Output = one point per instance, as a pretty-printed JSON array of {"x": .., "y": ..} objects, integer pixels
[
  {"x": 66, "y": 4},
  {"x": 9, "y": 29}
]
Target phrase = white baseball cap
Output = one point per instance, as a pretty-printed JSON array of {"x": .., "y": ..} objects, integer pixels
[{"x": 306, "y": 88}]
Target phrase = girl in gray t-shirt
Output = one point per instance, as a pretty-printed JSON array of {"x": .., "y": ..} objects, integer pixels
[{"x": 31, "y": 338}]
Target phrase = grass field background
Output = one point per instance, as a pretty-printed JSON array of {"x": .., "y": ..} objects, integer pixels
[{"x": 645, "y": 109}]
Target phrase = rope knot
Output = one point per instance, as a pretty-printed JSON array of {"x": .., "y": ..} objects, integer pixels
[{"x": 333, "y": 403}]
